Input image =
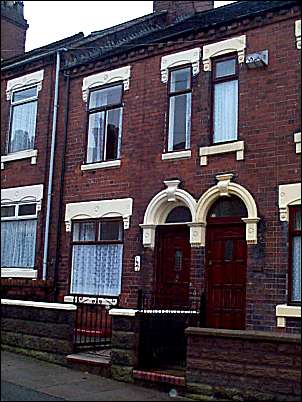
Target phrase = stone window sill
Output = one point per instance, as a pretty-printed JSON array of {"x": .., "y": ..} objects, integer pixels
[
  {"x": 101, "y": 165},
  {"x": 19, "y": 273},
  {"x": 27, "y": 154},
  {"x": 283, "y": 311},
  {"x": 237, "y": 147},
  {"x": 176, "y": 155}
]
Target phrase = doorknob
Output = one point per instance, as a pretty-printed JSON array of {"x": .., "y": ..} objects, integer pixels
[{"x": 210, "y": 262}]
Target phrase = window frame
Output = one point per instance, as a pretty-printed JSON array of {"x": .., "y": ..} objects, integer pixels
[
  {"x": 105, "y": 109},
  {"x": 214, "y": 81},
  {"x": 17, "y": 103},
  {"x": 292, "y": 232},
  {"x": 174, "y": 94}
]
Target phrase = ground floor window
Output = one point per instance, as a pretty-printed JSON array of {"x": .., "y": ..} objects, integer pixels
[
  {"x": 18, "y": 235},
  {"x": 97, "y": 253},
  {"x": 295, "y": 254}
]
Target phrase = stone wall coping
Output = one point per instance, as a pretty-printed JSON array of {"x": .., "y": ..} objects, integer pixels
[
  {"x": 253, "y": 335},
  {"x": 128, "y": 312},
  {"x": 25, "y": 303}
]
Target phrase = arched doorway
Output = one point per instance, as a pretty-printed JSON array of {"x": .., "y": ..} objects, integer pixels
[
  {"x": 225, "y": 264},
  {"x": 173, "y": 259}
]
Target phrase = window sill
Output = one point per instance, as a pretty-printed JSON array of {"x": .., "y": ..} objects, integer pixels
[
  {"x": 237, "y": 146},
  {"x": 19, "y": 273},
  {"x": 176, "y": 155},
  {"x": 27, "y": 154},
  {"x": 283, "y": 311},
  {"x": 101, "y": 165}
]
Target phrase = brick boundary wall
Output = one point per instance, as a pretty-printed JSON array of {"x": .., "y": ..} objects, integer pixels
[
  {"x": 42, "y": 330},
  {"x": 243, "y": 365}
]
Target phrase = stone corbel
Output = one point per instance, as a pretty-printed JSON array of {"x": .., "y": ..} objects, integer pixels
[
  {"x": 172, "y": 186},
  {"x": 148, "y": 235},
  {"x": 298, "y": 33},
  {"x": 223, "y": 183},
  {"x": 197, "y": 234},
  {"x": 251, "y": 230},
  {"x": 126, "y": 220},
  {"x": 68, "y": 226}
]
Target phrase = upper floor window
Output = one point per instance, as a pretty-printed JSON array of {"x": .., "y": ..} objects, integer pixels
[
  {"x": 104, "y": 124},
  {"x": 180, "y": 99},
  {"x": 23, "y": 119},
  {"x": 295, "y": 254},
  {"x": 225, "y": 99}
]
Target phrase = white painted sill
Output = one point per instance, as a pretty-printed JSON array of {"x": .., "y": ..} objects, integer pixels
[
  {"x": 19, "y": 273},
  {"x": 56, "y": 306},
  {"x": 176, "y": 155},
  {"x": 283, "y": 311},
  {"x": 236, "y": 146},
  {"x": 101, "y": 165},
  {"x": 27, "y": 154}
]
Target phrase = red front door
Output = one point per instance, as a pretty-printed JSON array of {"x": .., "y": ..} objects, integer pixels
[
  {"x": 225, "y": 274},
  {"x": 173, "y": 266}
]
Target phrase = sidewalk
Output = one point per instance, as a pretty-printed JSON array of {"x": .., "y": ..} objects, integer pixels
[{"x": 27, "y": 379}]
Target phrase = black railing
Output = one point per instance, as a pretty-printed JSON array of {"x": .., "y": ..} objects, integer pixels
[{"x": 93, "y": 323}]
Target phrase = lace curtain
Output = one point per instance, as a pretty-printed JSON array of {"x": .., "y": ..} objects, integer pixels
[
  {"x": 23, "y": 127},
  {"x": 97, "y": 269},
  {"x": 296, "y": 268},
  {"x": 18, "y": 242},
  {"x": 226, "y": 111}
]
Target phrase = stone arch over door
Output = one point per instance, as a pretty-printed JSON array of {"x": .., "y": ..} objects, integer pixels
[
  {"x": 161, "y": 205},
  {"x": 225, "y": 187}
]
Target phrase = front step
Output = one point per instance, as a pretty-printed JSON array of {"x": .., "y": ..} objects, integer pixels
[
  {"x": 92, "y": 362},
  {"x": 163, "y": 379}
]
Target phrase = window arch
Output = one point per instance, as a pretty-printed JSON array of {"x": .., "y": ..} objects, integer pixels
[
  {"x": 227, "y": 207},
  {"x": 178, "y": 215}
]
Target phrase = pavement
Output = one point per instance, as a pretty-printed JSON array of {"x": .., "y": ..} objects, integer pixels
[{"x": 24, "y": 378}]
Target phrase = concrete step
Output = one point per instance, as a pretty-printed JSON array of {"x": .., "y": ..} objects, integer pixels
[{"x": 92, "y": 362}]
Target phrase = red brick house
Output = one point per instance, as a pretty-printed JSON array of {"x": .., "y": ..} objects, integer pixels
[{"x": 176, "y": 166}]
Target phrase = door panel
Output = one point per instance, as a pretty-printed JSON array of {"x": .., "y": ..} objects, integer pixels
[
  {"x": 173, "y": 266},
  {"x": 225, "y": 276}
]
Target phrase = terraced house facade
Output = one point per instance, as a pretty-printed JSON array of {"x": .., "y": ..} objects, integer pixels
[{"x": 155, "y": 166}]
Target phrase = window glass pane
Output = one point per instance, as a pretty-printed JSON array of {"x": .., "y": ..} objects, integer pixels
[
  {"x": 95, "y": 141},
  {"x": 97, "y": 269},
  {"x": 296, "y": 268},
  {"x": 111, "y": 230},
  {"x": 225, "y": 68},
  {"x": 8, "y": 211},
  {"x": 27, "y": 209},
  {"x": 297, "y": 221},
  {"x": 113, "y": 134},
  {"x": 179, "y": 214},
  {"x": 179, "y": 122},
  {"x": 105, "y": 97},
  {"x": 180, "y": 80},
  {"x": 225, "y": 111},
  {"x": 228, "y": 206},
  {"x": 84, "y": 231},
  {"x": 18, "y": 243},
  {"x": 24, "y": 94},
  {"x": 228, "y": 250},
  {"x": 23, "y": 126}
]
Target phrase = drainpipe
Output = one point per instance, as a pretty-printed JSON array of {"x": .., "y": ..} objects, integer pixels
[{"x": 51, "y": 164}]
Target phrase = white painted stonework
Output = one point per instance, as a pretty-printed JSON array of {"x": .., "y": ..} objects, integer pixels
[
  {"x": 19, "y": 273},
  {"x": 55, "y": 306},
  {"x": 298, "y": 33},
  {"x": 22, "y": 194},
  {"x": 283, "y": 311},
  {"x": 99, "y": 209},
  {"x": 191, "y": 56},
  {"x": 237, "y": 44},
  {"x": 26, "y": 154},
  {"x": 35, "y": 78},
  {"x": 106, "y": 77},
  {"x": 289, "y": 194},
  {"x": 101, "y": 165},
  {"x": 237, "y": 147},
  {"x": 176, "y": 155},
  {"x": 297, "y": 141}
]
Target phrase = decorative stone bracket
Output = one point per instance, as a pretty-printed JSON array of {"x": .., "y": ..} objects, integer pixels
[
  {"x": 298, "y": 33},
  {"x": 289, "y": 194},
  {"x": 297, "y": 141},
  {"x": 191, "y": 56}
]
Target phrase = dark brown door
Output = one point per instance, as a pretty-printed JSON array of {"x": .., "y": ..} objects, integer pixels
[
  {"x": 225, "y": 274},
  {"x": 173, "y": 266}
]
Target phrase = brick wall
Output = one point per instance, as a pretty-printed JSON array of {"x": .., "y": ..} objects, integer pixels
[{"x": 243, "y": 365}]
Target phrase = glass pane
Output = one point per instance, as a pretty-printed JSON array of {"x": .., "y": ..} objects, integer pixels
[
  {"x": 113, "y": 134},
  {"x": 24, "y": 94},
  {"x": 228, "y": 206},
  {"x": 225, "y": 111},
  {"x": 105, "y": 97},
  {"x": 179, "y": 214},
  {"x": 95, "y": 141},
  {"x": 178, "y": 260},
  {"x": 296, "y": 268},
  {"x": 27, "y": 209},
  {"x": 180, "y": 80},
  {"x": 179, "y": 122},
  {"x": 228, "y": 250},
  {"x": 8, "y": 211},
  {"x": 18, "y": 243},
  {"x": 97, "y": 269},
  {"x": 297, "y": 221},
  {"x": 225, "y": 68},
  {"x": 111, "y": 230},
  {"x": 23, "y": 127},
  {"x": 84, "y": 231}
]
